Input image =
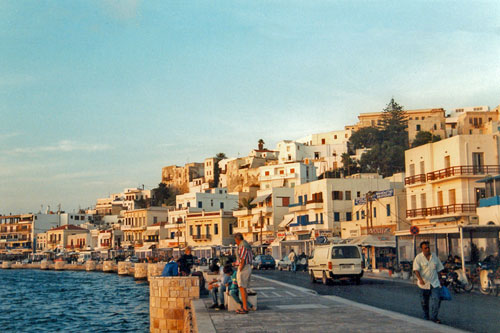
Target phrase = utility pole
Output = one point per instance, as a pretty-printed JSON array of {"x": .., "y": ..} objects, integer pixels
[{"x": 261, "y": 226}]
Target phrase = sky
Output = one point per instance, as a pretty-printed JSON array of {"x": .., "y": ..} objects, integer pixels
[{"x": 98, "y": 96}]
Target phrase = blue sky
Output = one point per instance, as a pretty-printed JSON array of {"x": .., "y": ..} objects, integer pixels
[{"x": 96, "y": 96}]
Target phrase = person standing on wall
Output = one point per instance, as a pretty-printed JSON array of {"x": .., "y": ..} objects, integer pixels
[
  {"x": 186, "y": 262},
  {"x": 426, "y": 267},
  {"x": 244, "y": 263},
  {"x": 292, "y": 257}
]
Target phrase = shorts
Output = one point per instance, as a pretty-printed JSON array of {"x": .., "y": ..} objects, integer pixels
[{"x": 243, "y": 276}]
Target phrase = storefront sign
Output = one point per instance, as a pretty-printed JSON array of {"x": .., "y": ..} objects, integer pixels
[{"x": 376, "y": 195}]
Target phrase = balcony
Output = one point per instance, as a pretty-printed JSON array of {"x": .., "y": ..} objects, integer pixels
[
  {"x": 202, "y": 237},
  {"x": 242, "y": 229},
  {"x": 415, "y": 179},
  {"x": 296, "y": 207},
  {"x": 492, "y": 201},
  {"x": 265, "y": 210},
  {"x": 464, "y": 170},
  {"x": 242, "y": 212},
  {"x": 442, "y": 210},
  {"x": 314, "y": 204}
]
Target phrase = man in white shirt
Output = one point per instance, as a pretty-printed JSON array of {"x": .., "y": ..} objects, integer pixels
[{"x": 426, "y": 267}]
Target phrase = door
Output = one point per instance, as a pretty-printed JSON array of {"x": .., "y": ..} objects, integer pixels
[{"x": 478, "y": 162}]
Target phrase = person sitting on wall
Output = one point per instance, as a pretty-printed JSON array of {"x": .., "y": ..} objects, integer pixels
[
  {"x": 217, "y": 288},
  {"x": 232, "y": 286},
  {"x": 171, "y": 268}
]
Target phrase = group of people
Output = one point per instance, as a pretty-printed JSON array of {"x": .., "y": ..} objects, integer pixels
[{"x": 233, "y": 276}]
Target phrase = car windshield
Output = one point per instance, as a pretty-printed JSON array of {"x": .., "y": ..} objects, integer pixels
[
  {"x": 267, "y": 257},
  {"x": 345, "y": 252}
]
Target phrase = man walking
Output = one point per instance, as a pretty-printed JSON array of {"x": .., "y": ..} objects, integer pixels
[
  {"x": 244, "y": 263},
  {"x": 186, "y": 262},
  {"x": 426, "y": 267},
  {"x": 292, "y": 259}
]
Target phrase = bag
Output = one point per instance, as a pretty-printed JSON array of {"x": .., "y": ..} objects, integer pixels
[{"x": 445, "y": 294}]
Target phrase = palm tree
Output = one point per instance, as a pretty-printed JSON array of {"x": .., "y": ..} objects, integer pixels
[
  {"x": 247, "y": 203},
  {"x": 221, "y": 156}
]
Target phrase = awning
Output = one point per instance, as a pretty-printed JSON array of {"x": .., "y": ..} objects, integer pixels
[
  {"x": 489, "y": 178},
  {"x": 151, "y": 232},
  {"x": 255, "y": 219},
  {"x": 260, "y": 198},
  {"x": 144, "y": 248},
  {"x": 374, "y": 241},
  {"x": 286, "y": 221}
]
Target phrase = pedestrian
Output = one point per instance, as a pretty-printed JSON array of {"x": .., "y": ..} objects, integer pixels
[
  {"x": 292, "y": 257},
  {"x": 186, "y": 262},
  {"x": 244, "y": 263},
  {"x": 426, "y": 267},
  {"x": 171, "y": 268},
  {"x": 232, "y": 286}
]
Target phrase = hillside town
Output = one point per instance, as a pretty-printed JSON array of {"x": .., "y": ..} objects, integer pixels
[{"x": 325, "y": 187}]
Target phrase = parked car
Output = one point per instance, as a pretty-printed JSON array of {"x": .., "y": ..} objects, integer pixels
[
  {"x": 263, "y": 261},
  {"x": 284, "y": 264},
  {"x": 333, "y": 262},
  {"x": 133, "y": 259}
]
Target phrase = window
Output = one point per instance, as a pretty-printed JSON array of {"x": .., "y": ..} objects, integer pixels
[
  {"x": 337, "y": 195},
  {"x": 221, "y": 205},
  {"x": 200, "y": 204},
  {"x": 266, "y": 173},
  {"x": 316, "y": 155},
  {"x": 300, "y": 199},
  {"x": 282, "y": 172},
  {"x": 347, "y": 195},
  {"x": 230, "y": 229},
  {"x": 418, "y": 127},
  {"x": 336, "y": 216},
  {"x": 358, "y": 194},
  {"x": 285, "y": 201},
  {"x": 435, "y": 127},
  {"x": 198, "y": 230},
  {"x": 362, "y": 214},
  {"x": 388, "y": 209},
  {"x": 188, "y": 204},
  {"x": 357, "y": 215},
  {"x": 292, "y": 170},
  {"x": 216, "y": 229},
  {"x": 374, "y": 211},
  {"x": 423, "y": 200},
  {"x": 345, "y": 252},
  {"x": 335, "y": 136},
  {"x": 305, "y": 198},
  {"x": 323, "y": 141},
  {"x": 348, "y": 216},
  {"x": 207, "y": 230},
  {"x": 321, "y": 217},
  {"x": 155, "y": 219}
]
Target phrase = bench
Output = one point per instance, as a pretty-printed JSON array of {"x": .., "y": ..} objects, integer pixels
[{"x": 231, "y": 304}]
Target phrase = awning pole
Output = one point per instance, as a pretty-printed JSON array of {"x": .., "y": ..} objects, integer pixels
[{"x": 462, "y": 248}]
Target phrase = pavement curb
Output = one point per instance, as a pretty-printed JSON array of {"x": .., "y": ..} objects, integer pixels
[{"x": 203, "y": 320}]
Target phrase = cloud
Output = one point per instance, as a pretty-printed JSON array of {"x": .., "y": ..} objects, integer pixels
[
  {"x": 63, "y": 146},
  {"x": 4, "y": 136}
]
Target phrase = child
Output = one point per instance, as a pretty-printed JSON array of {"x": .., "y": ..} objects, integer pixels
[{"x": 233, "y": 288}]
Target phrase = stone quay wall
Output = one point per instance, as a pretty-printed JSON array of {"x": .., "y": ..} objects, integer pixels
[
  {"x": 123, "y": 267},
  {"x": 168, "y": 298}
]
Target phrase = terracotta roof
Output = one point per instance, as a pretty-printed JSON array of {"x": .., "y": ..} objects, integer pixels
[{"x": 68, "y": 227}]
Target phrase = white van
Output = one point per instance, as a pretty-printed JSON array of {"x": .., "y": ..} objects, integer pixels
[{"x": 336, "y": 261}]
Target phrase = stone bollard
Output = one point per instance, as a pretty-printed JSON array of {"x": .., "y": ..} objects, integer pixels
[
  {"x": 155, "y": 269},
  {"x": 90, "y": 265},
  {"x": 168, "y": 297},
  {"x": 6, "y": 264},
  {"x": 45, "y": 264},
  {"x": 123, "y": 267},
  {"x": 108, "y": 266},
  {"x": 59, "y": 265},
  {"x": 141, "y": 271}
]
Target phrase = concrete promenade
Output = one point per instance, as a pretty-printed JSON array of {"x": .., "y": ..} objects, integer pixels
[{"x": 286, "y": 308}]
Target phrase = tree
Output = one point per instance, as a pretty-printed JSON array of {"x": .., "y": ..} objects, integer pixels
[
  {"x": 424, "y": 137},
  {"x": 349, "y": 165},
  {"x": 221, "y": 156},
  {"x": 162, "y": 195},
  {"x": 365, "y": 137},
  {"x": 246, "y": 203},
  {"x": 387, "y": 143}
]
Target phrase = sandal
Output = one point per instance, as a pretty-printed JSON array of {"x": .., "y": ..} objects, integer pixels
[{"x": 241, "y": 311}]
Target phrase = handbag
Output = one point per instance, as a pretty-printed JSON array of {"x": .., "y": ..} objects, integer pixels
[{"x": 445, "y": 294}]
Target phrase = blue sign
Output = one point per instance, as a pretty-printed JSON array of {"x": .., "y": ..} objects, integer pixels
[{"x": 376, "y": 195}]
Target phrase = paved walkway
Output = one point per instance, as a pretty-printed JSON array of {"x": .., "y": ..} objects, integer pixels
[{"x": 286, "y": 308}]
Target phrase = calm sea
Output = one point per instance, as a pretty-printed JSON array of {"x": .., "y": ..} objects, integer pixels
[{"x": 51, "y": 301}]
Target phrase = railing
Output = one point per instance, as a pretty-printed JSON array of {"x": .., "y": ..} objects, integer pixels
[
  {"x": 441, "y": 210},
  {"x": 463, "y": 170},
  {"x": 202, "y": 237},
  {"x": 296, "y": 204},
  {"x": 487, "y": 202},
  {"x": 415, "y": 179},
  {"x": 319, "y": 200}
]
